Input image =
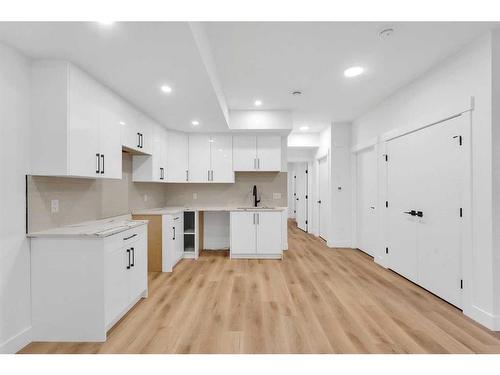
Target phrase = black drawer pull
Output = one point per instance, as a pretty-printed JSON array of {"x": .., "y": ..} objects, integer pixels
[
  {"x": 133, "y": 256},
  {"x": 128, "y": 253},
  {"x": 129, "y": 237}
]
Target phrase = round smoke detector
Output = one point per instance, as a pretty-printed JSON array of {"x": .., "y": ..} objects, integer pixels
[{"x": 386, "y": 33}]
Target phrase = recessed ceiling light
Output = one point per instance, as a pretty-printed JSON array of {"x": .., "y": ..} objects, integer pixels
[
  {"x": 195, "y": 122},
  {"x": 258, "y": 103},
  {"x": 353, "y": 71},
  {"x": 166, "y": 89},
  {"x": 122, "y": 123},
  {"x": 304, "y": 128},
  {"x": 106, "y": 23}
]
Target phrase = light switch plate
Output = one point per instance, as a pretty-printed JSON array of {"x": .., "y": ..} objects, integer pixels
[
  {"x": 276, "y": 195},
  {"x": 54, "y": 206},
  {"x": 145, "y": 197},
  {"x": 195, "y": 196}
]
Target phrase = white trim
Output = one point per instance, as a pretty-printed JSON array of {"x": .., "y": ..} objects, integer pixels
[
  {"x": 483, "y": 317},
  {"x": 16, "y": 342},
  {"x": 364, "y": 145},
  {"x": 399, "y": 132}
]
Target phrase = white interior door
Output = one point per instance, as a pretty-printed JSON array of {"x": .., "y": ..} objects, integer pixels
[
  {"x": 301, "y": 194},
  {"x": 366, "y": 215},
  {"x": 323, "y": 201},
  {"x": 439, "y": 199},
  {"x": 434, "y": 182}
]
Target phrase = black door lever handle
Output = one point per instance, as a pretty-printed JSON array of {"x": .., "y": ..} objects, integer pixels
[
  {"x": 412, "y": 212},
  {"x": 420, "y": 214}
]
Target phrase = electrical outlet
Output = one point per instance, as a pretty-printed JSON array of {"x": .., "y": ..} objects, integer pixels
[
  {"x": 54, "y": 206},
  {"x": 195, "y": 196},
  {"x": 145, "y": 197},
  {"x": 276, "y": 195}
]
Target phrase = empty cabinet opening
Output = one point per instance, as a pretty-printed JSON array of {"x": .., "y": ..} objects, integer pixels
[
  {"x": 189, "y": 222},
  {"x": 189, "y": 242}
]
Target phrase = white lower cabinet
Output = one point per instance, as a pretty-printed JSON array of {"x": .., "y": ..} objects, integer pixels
[
  {"x": 256, "y": 234},
  {"x": 82, "y": 286},
  {"x": 172, "y": 240}
]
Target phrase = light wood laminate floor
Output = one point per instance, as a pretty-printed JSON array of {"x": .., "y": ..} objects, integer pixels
[{"x": 316, "y": 300}]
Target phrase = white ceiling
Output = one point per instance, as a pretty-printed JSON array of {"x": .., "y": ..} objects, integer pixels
[
  {"x": 270, "y": 60},
  {"x": 255, "y": 60},
  {"x": 134, "y": 59}
]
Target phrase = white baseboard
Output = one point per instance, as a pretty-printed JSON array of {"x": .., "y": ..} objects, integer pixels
[
  {"x": 483, "y": 317},
  {"x": 346, "y": 244},
  {"x": 17, "y": 342}
]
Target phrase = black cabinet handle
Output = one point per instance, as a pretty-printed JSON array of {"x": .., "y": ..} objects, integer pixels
[
  {"x": 412, "y": 212},
  {"x": 128, "y": 253},
  {"x": 98, "y": 163},
  {"x": 102, "y": 157},
  {"x": 133, "y": 256},
  {"x": 139, "y": 140},
  {"x": 129, "y": 237},
  {"x": 174, "y": 233}
]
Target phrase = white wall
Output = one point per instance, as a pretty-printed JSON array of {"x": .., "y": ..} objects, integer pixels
[
  {"x": 260, "y": 120},
  {"x": 15, "y": 318},
  {"x": 303, "y": 140},
  {"x": 341, "y": 202},
  {"x": 443, "y": 91}
]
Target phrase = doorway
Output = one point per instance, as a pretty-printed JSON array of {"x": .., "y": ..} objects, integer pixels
[
  {"x": 366, "y": 198},
  {"x": 301, "y": 191},
  {"x": 323, "y": 201}
]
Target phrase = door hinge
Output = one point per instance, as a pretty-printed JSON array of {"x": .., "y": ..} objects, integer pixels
[
  {"x": 386, "y": 157},
  {"x": 461, "y": 212},
  {"x": 294, "y": 211},
  {"x": 306, "y": 171},
  {"x": 387, "y": 250},
  {"x": 387, "y": 203},
  {"x": 306, "y": 221},
  {"x": 306, "y": 196},
  {"x": 294, "y": 176},
  {"x": 461, "y": 283}
]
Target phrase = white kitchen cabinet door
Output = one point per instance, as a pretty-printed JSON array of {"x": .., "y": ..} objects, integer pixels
[
  {"x": 116, "y": 283},
  {"x": 110, "y": 144},
  {"x": 222, "y": 158},
  {"x": 244, "y": 153},
  {"x": 177, "y": 157},
  {"x": 145, "y": 129},
  {"x": 269, "y": 238},
  {"x": 199, "y": 157},
  {"x": 269, "y": 153},
  {"x": 84, "y": 119},
  {"x": 130, "y": 129},
  {"x": 138, "y": 276},
  {"x": 178, "y": 237},
  {"x": 243, "y": 232}
]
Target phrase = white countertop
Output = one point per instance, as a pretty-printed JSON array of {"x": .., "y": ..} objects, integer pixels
[
  {"x": 177, "y": 209},
  {"x": 92, "y": 229}
]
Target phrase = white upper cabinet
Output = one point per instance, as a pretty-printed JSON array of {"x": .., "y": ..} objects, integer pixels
[
  {"x": 177, "y": 157},
  {"x": 137, "y": 131},
  {"x": 221, "y": 152},
  {"x": 257, "y": 153},
  {"x": 269, "y": 153},
  {"x": 199, "y": 158},
  {"x": 73, "y": 131},
  {"x": 152, "y": 168},
  {"x": 210, "y": 158},
  {"x": 244, "y": 153}
]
